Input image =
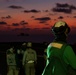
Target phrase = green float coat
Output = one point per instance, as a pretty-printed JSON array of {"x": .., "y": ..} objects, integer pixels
[{"x": 59, "y": 59}]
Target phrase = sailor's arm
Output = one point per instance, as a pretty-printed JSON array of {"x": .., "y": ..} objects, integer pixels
[
  {"x": 70, "y": 56},
  {"x": 48, "y": 54}
]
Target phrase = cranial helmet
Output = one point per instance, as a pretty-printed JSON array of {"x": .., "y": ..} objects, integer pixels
[
  {"x": 23, "y": 44},
  {"x": 60, "y": 27},
  {"x": 29, "y": 44}
]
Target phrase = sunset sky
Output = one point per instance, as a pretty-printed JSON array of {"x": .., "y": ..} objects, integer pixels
[{"x": 35, "y": 17}]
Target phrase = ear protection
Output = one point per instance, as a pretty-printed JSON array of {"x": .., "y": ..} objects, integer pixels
[{"x": 60, "y": 27}]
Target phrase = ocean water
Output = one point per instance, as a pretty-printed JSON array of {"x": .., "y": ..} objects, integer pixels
[{"x": 32, "y": 38}]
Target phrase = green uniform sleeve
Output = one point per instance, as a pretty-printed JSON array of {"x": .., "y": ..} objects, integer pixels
[
  {"x": 48, "y": 54},
  {"x": 48, "y": 51},
  {"x": 24, "y": 56},
  {"x": 70, "y": 56}
]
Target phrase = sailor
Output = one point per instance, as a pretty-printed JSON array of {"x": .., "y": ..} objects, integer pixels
[{"x": 59, "y": 53}]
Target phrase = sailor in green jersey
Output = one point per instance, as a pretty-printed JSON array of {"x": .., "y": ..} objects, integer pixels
[{"x": 59, "y": 53}]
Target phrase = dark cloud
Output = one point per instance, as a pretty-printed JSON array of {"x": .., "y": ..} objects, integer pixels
[
  {"x": 43, "y": 19},
  {"x": 31, "y": 11},
  {"x": 2, "y": 23},
  {"x": 62, "y": 10},
  {"x": 46, "y": 10},
  {"x": 7, "y": 17},
  {"x": 3, "y": 17},
  {"x": 15, "y": 24},
  {"x": 15, "y": 7},
  {"x": 51, "y": 14},
  {"x": 74, "y": 16},
  {"x": 72, "y": 7},
  {"x": 60, "y": 17},
  {"x": 32, "y": 16},
  {"x": 62, "y": 5},
  {"x": 23, "y": 23},
  {"x": 65, "y": 8}
]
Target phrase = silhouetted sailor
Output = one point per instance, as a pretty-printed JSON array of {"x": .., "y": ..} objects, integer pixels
[
  {"x": 12, "y": 62},
  {"x": 60, "y": 54},
  {"x": 29, "y": 60}
]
